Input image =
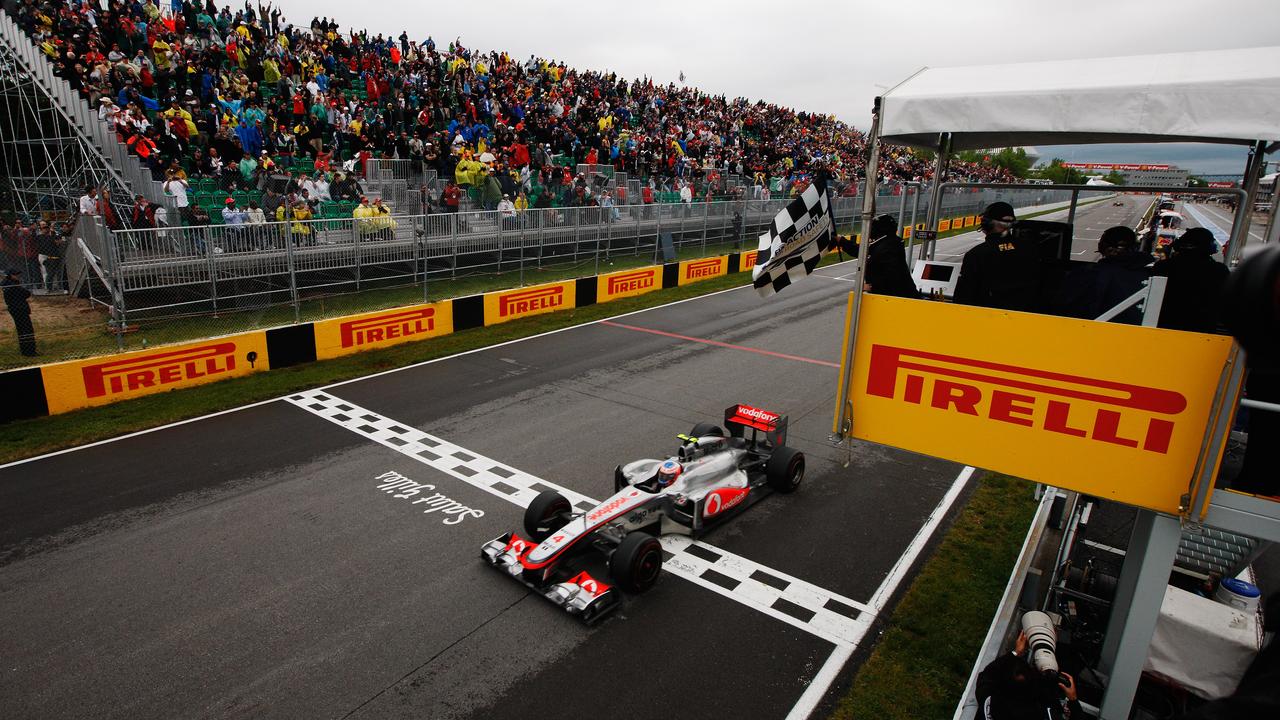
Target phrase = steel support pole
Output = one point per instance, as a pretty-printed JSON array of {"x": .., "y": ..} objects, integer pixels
[
  {"x": 1244, "y": 211},
  {"x": 1139, "y": 594},
  {"x": 1071, "y": 213},
  {"x": 497, "y": 217},
  {"x": 706, "y": 213},
  {"x": 213, "y": 268},
  {"x": 657, "y": 233},
  {"x": 420, "y": 246},
  {"x": 928, "y": 248},
  {"x": 293, "y": 272},
  {"x": 1273, "y": 229},
  {"x": 844, "y": 409},
  {"x": 355, "y": 240},
  {"x": 902, "y": 207},
  {"x": 577, "y": 232}
]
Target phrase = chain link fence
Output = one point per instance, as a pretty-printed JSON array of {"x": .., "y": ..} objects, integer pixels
[{"x": 125, "y": 290}]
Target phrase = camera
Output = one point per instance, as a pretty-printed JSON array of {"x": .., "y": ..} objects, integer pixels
[{"x": 1042, "y": 641}]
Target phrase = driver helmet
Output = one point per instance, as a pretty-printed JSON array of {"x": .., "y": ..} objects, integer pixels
[{"x": 668, "y": 471}]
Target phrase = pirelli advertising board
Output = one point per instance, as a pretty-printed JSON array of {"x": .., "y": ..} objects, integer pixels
[
  {"x": 346, "y": 335},
  {"x": 628, "y": 283},
  {"x": 1111, "y": 410},
  {"x": 694, "y": 270},
  {"x": 747, "y": 260},
  {"x": 500, "y": 307},
  {"x": 101, "y": 381}
]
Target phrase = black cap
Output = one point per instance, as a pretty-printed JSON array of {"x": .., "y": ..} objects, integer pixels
[
  {"x": 1119, "y": 238},
  {"x": 883, "y": 225},
  {"x": 999, "y": 211},
  {"x": 1197, "y": 240}
]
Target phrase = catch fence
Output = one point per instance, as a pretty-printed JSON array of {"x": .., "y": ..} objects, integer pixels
[{"x": 137, "y": 288}]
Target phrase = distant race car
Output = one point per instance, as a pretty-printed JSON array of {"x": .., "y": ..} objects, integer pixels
[{"x": 711, "y": 478}]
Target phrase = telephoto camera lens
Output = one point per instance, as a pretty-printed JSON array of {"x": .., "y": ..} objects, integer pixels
[{"x": 1042, "y": 640}]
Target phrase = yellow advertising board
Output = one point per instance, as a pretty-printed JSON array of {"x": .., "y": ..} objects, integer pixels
[
  {"x": 747, "y": 260},
  {"x": 628, "y": 283},
  {"x": 104, "y": 380},
  {"x": 969, "y": 220},
  {"x": 692, "y": 271},
  {"x": 500, "y": 307},
  {"x": 944, "y": 225},
  {"x": 346, "y": 335},
  {"x": 1111, "y": 410}
]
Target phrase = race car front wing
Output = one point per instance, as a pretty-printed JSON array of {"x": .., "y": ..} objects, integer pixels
[{"x": 581, "y": 595}]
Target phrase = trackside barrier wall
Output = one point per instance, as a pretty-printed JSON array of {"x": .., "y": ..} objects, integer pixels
[{"x": 63, "y": 387}]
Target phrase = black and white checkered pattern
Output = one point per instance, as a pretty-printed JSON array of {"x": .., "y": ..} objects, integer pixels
[
  {"x": 783, "y": 597},
  {"x": 777, "y": 265}
]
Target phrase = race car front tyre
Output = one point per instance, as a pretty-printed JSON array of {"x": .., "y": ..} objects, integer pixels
[
  {"x": 785, "y": 469},
  {"x": 548, "y": 512},
  {"x": 706, "y": 430},
  {"x": 637, "y": 563}
]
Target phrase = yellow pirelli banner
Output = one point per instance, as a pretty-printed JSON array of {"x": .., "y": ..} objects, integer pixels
[
  {"x": 1111, "y": 410},
  {"x": 628, "y": 283},
  {"x": 346, "y": 335},
  {"x": 500, "y": 307},
  {"x": 747, "y": 260},
  {"x": 100, "y": 381},
  {"x": 692, "y": 271}
]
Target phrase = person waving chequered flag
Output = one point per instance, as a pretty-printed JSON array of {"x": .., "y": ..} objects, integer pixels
[{"x": 796, "y": 240}]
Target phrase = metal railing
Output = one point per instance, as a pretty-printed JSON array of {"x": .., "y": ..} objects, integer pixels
[{"x": 153, "y": 286}]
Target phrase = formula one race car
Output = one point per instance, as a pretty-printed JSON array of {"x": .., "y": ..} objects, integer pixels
[{"x": 712, "y": 477}]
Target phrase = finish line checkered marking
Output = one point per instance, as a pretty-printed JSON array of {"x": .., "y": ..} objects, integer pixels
[{"x": 789, "y": 599}]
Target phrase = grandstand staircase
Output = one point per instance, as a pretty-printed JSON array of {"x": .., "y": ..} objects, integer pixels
[{"x": 108, "y": 161}]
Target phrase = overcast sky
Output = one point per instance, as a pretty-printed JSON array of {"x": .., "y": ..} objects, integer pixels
[{"x": 828, "y": 56}]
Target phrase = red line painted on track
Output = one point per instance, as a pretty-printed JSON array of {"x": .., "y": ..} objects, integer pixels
[{"x": 717, "y": 343}]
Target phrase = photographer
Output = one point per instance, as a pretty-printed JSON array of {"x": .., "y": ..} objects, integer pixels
[{"x": 1011, "y": 688}]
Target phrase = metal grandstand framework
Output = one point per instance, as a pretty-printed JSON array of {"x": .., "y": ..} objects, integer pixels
[{"x": 47, "y": 159}]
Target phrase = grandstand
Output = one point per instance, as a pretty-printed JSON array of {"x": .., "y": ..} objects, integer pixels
[{"x": 236, "y": 100}]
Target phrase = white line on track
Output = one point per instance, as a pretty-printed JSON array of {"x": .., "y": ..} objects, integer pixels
[
  {"x": 374, "y": 375},
  {"x": 829, "y": 616},
  {"x": 830, "y": 670}
]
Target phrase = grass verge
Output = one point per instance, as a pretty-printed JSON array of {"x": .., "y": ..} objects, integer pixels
[
  {"x": 27, "y": 438},
  {"x": 922, "y": 661}
]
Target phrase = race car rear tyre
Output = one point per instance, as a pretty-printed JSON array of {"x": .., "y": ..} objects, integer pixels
[
  {"x": 637, "y": 563},
  {"x": 706, "y": 430},
  {"x": 548, "y": 512},
  {"x": 785, "y": 469}
]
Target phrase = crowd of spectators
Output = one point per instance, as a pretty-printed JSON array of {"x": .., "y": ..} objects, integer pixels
[
  {"x": 241, "y": 96},
  {"x": 35, "y": 249}
]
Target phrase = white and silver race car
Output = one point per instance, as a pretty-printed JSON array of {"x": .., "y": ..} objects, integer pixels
[{"x": 712, "y": 477}]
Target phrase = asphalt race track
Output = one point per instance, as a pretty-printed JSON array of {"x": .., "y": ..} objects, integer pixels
[
  {"x": 1090, "y": 221},
  {"x": 247, "y": 564}
]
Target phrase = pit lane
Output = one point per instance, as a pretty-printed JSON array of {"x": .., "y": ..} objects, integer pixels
[{"x": 248, "y": 564}]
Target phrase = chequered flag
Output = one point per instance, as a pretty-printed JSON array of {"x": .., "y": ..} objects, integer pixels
[{"x": 797, "y": 239}]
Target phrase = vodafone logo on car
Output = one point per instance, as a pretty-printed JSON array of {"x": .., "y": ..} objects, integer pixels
[
  {"x": 756, "y": 414},
  {"x": 720, "y": 500}
]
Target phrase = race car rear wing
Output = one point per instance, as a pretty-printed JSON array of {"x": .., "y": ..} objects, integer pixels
[{"x": 740, "y": 417}]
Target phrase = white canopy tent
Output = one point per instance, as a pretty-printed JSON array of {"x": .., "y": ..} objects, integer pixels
[{"x": 1223, "y": 96}]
